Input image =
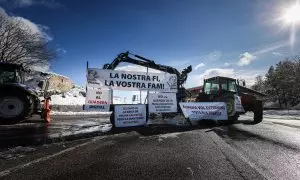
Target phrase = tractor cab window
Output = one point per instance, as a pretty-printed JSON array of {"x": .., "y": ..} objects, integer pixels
[
  {"x": 232, "y": 86},
  {"x": 228, "y": 85},
  {"x": 9, "y": 76},
  {"x": 211, "y": 87}
]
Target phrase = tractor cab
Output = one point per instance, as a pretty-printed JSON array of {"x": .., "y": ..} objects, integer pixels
[
  {"x": 216, "y": 86},
  {"x": 11, "y": 73}
]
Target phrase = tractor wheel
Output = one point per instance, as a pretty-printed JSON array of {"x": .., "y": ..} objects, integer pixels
[
  {"x": 258, "y": 112},
  {"x": 14, "y": 107},
  {"x": 230, "y": 106}
]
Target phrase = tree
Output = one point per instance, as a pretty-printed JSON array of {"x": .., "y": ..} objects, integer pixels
[
  {"x": 259, "y": 84},
  {"x": 20, "y": 45}
]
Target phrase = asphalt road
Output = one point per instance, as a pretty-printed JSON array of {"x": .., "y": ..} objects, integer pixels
[{"x": 269, "y": 150}]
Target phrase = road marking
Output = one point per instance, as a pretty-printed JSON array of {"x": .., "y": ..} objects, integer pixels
[{"x": 16, "y": 168}]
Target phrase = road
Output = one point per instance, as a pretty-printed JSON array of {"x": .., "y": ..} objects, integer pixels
[{"x": 269, "y": 150}]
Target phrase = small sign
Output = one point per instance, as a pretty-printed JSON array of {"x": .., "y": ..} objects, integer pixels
[
  {"x": 162, "y": 102},
  {"x": 97, "y": 99},
  {"x": 130, "y": 115},
  {"x": 204, "y": 110},
  {"x": 238, "y": 104}
]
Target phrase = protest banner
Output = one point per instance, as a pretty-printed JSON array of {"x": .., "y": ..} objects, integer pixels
[
  {"x": 130, "y": 115},
  {"x": 204, "y": 110},
  {"x": 128, "y": 80},
  {"x": 162, "y": 102}
]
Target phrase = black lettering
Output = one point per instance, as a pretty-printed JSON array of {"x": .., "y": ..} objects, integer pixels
[
  {"x": 133, "y": 84},
  {"x": 148, "y": 78},
  {"x": 143, "y": 86},
  {"x": 124, "y": 83},
  {"x": 119, "y": 83},
  {"x": 111, "y": 83},
  {"x": 139, "y": 77}
]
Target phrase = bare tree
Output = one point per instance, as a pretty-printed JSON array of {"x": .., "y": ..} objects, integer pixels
[{"x": 20, "y": 45}]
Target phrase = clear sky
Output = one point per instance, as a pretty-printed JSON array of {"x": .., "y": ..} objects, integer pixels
[{"x": 237, "y": 38}]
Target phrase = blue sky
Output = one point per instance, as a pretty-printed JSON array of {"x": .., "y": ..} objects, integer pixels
[{"x": 236, "y": 38}]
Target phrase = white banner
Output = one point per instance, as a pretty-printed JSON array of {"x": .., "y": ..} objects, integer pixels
[
  {"x": 97, "y": 99},
  {"x": 128, "y": 80},
  {"x": 204, "y": 110},
  {"x": 238, "y": 104},
  {"x": 162, "y": 102},
  {"x": 130, "y": 115}
]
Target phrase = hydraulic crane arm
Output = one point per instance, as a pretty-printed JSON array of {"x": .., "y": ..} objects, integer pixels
[{"x": 124, "y": 57}]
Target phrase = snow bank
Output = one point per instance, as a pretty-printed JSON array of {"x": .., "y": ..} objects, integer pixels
[
  {"x": 79, "y": 113},
  {"x": 73, "y": 97},
  {"x": 282, "y": 112},
  {"x": 271, "y": 105}
]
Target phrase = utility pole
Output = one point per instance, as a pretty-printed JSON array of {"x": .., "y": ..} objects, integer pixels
[
  {"x": 147, "y": 89},
  {"x": 140, "y": 97}
]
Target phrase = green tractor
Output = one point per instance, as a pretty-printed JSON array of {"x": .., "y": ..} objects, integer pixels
[
  {"x": 17, "y": 101},
  {"x": 224, "y": 89}
]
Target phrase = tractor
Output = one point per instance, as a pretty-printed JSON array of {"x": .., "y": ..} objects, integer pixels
[
  {"x": 224, "y": 89},
  {"x": 17, "y": 101}
]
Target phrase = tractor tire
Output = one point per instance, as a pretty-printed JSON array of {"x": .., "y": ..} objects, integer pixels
[
  {"x": 228, "y": 98},
  {"x": 14, "y": 107},
  {"x": 258, "y": 112}
]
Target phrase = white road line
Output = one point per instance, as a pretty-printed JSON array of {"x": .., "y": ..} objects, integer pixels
[{"x": 16, "y": 168}]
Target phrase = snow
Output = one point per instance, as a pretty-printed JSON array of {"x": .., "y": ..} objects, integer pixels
[
  {"x": 278, "y": 115},
  {"x": 73, "y": 97},
  {"x": 99, "y": 128},
  {"x": 169, "y": 135},
  {"x": 79, "y": 113},
  {"x": 271, "y": 105},
  {"x": 53, "y": 73},
  {"x": 282, "y": 112}
]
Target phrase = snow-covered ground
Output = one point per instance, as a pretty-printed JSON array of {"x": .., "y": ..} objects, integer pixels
[
  {"x": 70, "y": 113},
  {"x": 75, "y": 96},
  {"x": 278, "y": 115},
  {"x": 282, "y": 114}
]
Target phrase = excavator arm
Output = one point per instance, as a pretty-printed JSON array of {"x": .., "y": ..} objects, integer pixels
[{"x": 124, "y": 57}]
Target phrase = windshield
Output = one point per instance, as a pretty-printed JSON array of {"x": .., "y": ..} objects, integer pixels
[
  {"x": 228, "y": 85},
  {"x": 211, "y": 87},
  {"x": 10, "y": 76}
]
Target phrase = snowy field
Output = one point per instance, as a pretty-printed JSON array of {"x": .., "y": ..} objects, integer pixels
[{"x": 282, "y": 114}]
